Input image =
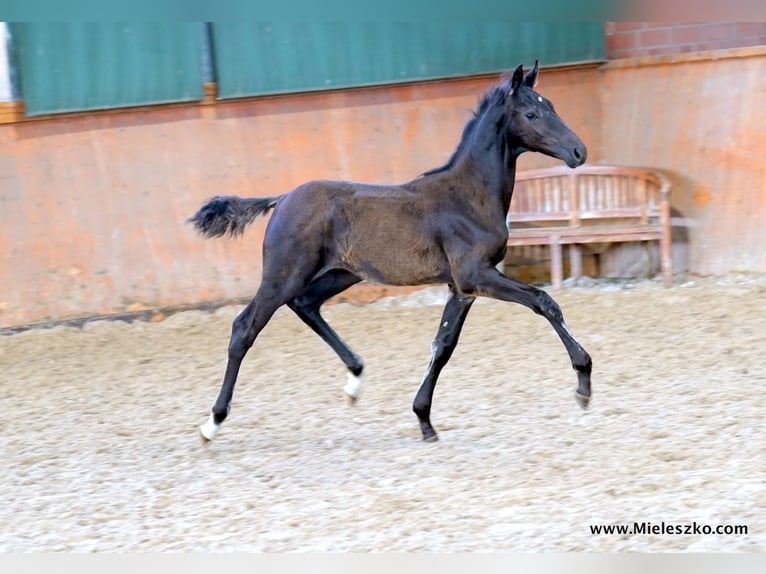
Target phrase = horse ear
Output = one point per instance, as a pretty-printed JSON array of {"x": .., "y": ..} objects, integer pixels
[
  {"x": 517, "y": 78},
  {"x": 531, "y": 78}
]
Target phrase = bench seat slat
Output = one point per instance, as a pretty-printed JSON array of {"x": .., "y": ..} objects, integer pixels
[
  {"x": 625, "y": 212},
  {"x": 584, "y": 234}
]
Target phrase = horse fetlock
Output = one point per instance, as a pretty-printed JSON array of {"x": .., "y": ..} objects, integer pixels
[
  {"x": 584, "y": 364},
  {"x": 218, "y": 414},
  {"x": 424, "y": 418},
  {"x": 428, "y": 432},
  {"x": 423, "y": 412}
]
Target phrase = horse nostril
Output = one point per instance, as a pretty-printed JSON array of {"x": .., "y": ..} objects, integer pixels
[{"x": 579, "y": 153}]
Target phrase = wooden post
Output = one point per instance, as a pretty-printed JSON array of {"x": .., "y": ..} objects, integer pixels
[
  {"x": 575, "y": 260},
  {"x": 557, "y": 268},
  {"x": 666, "y": 257}
]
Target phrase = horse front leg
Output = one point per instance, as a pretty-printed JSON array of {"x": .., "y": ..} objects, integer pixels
[
  {"x": 489, "y": 282},
  {"x": 443, "y": 345}
]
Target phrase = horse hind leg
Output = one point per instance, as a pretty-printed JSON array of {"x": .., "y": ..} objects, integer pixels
[
  {"x": 306, "y": 305},
  {"x": 245, "y": 328}
]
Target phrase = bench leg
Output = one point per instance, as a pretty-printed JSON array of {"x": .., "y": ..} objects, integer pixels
[
  {"x": 575, "y": 260},
  {"x": 647, "y": 259},
  {"x": 666, "y": 260},
  {"x": 557, "y": 267}
]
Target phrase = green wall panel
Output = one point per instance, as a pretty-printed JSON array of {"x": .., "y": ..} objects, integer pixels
[
  {"x": 258, "y": 58},
  {"x": 88, "y": 66}
]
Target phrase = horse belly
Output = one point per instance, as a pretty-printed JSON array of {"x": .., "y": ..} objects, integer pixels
[{"x": 394, "y": 258}]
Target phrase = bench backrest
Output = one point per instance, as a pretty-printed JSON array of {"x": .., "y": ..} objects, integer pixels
[{"x": 590, "y": 192}]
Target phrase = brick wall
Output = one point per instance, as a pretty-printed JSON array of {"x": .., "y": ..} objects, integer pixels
[{"x": 636, "y": 39}]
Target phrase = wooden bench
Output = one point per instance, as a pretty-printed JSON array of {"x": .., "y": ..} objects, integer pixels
[{"x": 588, "y": 205}]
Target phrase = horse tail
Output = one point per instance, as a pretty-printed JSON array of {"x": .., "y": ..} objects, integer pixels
[{"x": 229, "y": 214}]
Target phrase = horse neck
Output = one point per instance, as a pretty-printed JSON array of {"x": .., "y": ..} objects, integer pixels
[{"x": 493, "y": 160}]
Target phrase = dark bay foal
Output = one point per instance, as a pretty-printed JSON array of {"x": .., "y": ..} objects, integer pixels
[{"x": 446, "y": 226}]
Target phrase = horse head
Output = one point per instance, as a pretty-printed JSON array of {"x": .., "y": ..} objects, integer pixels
[{"x": 533, "y": 124}]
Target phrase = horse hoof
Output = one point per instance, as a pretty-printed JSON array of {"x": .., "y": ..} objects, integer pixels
[
  {"x": 209, "y": 430},
  {"x": 351, "y": 388},
  {"x": 582, "y": 400},
  {"x": 431, "y": 437},
  {"x": 202, "y": 438}
]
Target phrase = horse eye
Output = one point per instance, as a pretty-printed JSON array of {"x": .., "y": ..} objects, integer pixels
[{"x": 531, "y": 116}]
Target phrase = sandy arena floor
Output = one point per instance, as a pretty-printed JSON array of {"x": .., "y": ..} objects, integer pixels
[{"x": 100, "y": 450}]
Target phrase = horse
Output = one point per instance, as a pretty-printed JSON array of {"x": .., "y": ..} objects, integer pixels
[{"x": 446, "y": 226}]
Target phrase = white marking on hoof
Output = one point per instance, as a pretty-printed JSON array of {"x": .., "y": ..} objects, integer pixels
[
  {"x": 209, "y": 429},
  {"x": 351, "y": 388}
]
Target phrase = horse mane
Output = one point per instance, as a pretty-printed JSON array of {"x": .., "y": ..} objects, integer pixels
[{"x": 494, "y": 96}]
